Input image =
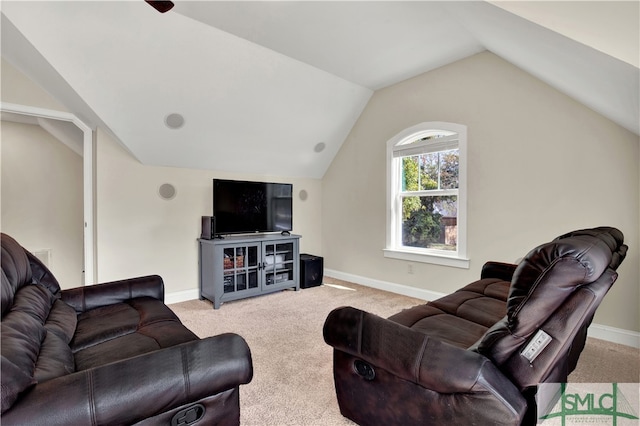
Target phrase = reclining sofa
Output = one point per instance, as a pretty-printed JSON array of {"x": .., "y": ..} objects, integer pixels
[
  {"x": 108, "y": 354},
  {"x": 476, "y": 356}
]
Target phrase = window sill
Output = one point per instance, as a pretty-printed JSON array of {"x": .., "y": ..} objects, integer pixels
[{"x": 433, "y": 258}]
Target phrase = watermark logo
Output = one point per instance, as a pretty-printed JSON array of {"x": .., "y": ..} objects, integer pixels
[{"x": 565, "y": 404}]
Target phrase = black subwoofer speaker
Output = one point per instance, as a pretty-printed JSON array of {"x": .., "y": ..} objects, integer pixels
[{"x": 311, "y": 270}]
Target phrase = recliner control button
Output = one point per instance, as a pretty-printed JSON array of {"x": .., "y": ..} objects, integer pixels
[
  {"x": 364, "y": 369},
  {"x": 188, "y": 416}
]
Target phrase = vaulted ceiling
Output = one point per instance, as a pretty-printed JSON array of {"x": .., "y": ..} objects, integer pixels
[{"x": 274, "y": 88}]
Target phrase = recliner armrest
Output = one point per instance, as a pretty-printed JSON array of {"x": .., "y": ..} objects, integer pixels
[
  {"x": 499, "y": 270},
  {"x": 133, "y": 389},
  {"x": 94, "y": 296},
  {"x": 413, "y": 356}
]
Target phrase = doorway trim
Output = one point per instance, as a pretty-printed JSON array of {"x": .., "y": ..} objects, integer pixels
[{"x": 87, "y": 173}]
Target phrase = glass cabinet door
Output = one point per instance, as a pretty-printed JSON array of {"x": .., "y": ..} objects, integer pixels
[
  {"x": 240, "y": 268},
  {"x": 278, "y": 263}
]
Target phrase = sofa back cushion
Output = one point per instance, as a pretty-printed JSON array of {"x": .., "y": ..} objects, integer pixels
[
  {"x": 14, "y": 381},
  {"x": 36, "y": 325},
  {"x": 611, "y": 237},
  {"x": 21, "y": 337},
  {"x": 42, "y": 275},
  {"x": 16, "y": 270},
  {"x": 568, "y": 275},
  {"x": 549, "y": 274}
]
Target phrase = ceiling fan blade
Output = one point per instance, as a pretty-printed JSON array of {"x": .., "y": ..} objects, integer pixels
[{"x": 160, "y": 5}]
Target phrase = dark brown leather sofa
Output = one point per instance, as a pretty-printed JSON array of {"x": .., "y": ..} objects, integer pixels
[
  {"x": 109, "y": 354},
  {"x": 463, "y": 359}
]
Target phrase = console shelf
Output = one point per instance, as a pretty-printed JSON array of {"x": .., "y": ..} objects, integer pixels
[{"x": 248, "y": 265}]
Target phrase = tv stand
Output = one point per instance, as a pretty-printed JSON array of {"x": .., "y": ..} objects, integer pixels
[{"x": 241, "y": 266}]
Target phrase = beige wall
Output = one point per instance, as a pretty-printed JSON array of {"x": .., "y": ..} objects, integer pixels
[
  {"x": 42, "y": 198},
  {"x": 540, "y": 164},
  {"x": 140, "y": 233}
]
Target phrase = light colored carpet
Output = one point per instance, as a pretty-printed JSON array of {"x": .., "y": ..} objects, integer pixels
[
  {"x": 293, "y": 382},
  {"x": 606, "y": 362}
]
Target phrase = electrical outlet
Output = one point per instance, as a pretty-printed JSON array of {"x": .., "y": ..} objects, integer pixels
[{"x": 410, "y": 268}]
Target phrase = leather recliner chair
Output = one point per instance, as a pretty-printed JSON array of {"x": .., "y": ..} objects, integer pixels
[{"x": 476, "y": 356}]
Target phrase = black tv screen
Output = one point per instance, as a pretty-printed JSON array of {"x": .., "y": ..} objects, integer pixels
[{"x": 245, "y": 207}]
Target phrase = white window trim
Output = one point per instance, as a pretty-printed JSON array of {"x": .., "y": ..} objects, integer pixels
[{"x": 393, "y": 248}]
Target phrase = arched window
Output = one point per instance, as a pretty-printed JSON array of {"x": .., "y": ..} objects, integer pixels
[{"x": 426, "y": 194}]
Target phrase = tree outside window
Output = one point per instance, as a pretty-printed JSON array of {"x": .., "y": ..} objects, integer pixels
[{"x": 429, "y": 200}]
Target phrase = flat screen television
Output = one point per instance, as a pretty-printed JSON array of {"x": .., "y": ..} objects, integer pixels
[{"x": 241, "y": 207}]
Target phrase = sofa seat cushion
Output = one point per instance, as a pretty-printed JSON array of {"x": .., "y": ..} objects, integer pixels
[
  {"x": 123, "y": 330},
  {"x": 460, "y": 318},
  {"x": 482, "y": 302}
]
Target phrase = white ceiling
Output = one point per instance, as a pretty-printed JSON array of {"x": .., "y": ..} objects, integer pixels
[{"x": 260, "y": 84}]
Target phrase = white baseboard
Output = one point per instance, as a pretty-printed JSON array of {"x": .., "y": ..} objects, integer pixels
[
  {"x": 181, "y": 296},
  {"x": 598, "y": 331},
  {"x": 615, "y": 335},
  {"x": 405, "y": 290}
]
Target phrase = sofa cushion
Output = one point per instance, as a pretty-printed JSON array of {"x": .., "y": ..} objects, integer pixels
[
  {"x": 6, "y": 293},
  {"x": 14, "y": 381},
  {"x": 35, "y": 301},
  {"x": 62, "y": 321},
  {"x": 54, "y": 360},
  {"x": 462, "y": 317},
  {"x": 549, "y": 274},
  {"x": 27, "y": 346},
  {"x": 103, "y": 324},
  {"x": 16, "y": 271},
  {"x": 482, "y": 302},
  {"x": 611, "y": 237},
  {"x": 127, "y": 329},
  {"x": 443, "y": 326},
  {"x": 42, "y": 275},
  {"x": 21, "y": 337},
  {"x": 23, "y": 327}
]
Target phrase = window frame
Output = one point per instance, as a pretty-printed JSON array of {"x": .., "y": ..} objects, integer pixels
[{"x": 394, "y": 248}]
